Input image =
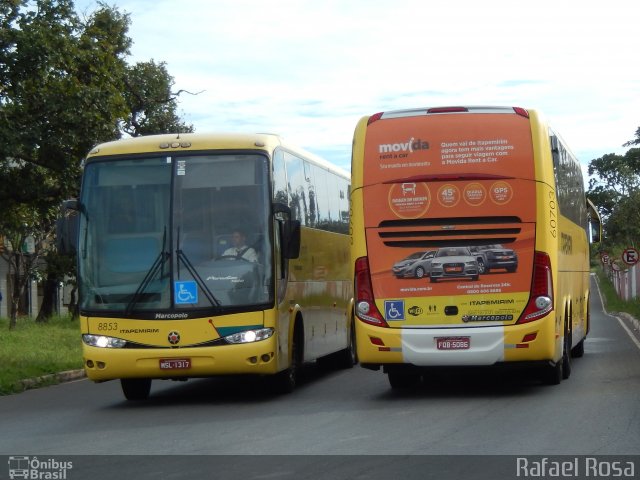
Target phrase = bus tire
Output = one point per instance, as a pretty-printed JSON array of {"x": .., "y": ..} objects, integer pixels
[
  {"x": 566, "y": 351},
  {"x": 285, "y": 382},
  {"x": 403, "y": 380},
  {"x": 578, "y": 350},
  {"x": 349, "y": 356},
  {"x": 552, "y": 375},
  {"x": 135, "y": 388}
]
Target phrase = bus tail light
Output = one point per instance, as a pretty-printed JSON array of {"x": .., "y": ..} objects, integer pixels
[
  {"x": 374, "y": 118},
  {"x": 366, "y": 309},
  {"x": 541, "y": 296}
]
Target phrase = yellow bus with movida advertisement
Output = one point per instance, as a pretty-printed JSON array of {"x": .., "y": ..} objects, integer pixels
[{"x": 491, "y": 203}]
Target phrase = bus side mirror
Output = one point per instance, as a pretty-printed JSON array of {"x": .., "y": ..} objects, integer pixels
[
  {"x": 290, "y": 240},
  {"x": 596, "y": 231},
  {"x": 67, "y": 228},
  {"x": 595, "y": 225}
]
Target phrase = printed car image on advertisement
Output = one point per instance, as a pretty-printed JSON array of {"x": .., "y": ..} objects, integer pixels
[
  {"x": 416, "y": 265},
  {"x": 495, "y": 256},
  {"x": 454, "y": 262}
]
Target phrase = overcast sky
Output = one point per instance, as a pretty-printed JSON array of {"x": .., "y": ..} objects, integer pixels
[{"x": 309, "y": 69}]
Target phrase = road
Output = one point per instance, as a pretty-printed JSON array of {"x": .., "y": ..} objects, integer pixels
[{"x": 474, "y": 412}]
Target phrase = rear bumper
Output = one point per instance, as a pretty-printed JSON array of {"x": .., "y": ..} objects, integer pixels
[{"x": 488, "y": 345}]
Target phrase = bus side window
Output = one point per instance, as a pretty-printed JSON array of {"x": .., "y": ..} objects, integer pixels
[
  {"x": 297, "y": 186},
  {"x": 280, "y": 191}
]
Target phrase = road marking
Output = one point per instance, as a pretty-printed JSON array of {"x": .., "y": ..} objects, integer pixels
[{"x": 629, "y": 332}]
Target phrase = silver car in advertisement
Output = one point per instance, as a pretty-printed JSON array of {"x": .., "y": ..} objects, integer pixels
[
  {"x": 454, "y": 262},
  {"x": 416, "y": 265}
]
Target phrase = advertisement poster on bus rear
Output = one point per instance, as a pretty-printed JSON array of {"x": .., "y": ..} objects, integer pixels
[{"x": 446, "y": 212}]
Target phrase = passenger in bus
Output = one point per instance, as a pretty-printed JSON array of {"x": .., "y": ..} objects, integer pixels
[{"x": 240, "y": 249}]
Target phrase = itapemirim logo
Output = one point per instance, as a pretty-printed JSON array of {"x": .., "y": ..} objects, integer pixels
[{"x": 22, "y": 466}]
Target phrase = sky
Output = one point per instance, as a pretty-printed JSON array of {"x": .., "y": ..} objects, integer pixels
[{"x": 310, "y": 69}]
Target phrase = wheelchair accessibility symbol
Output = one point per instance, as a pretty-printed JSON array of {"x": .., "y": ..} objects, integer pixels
[
  {"x": 394, "y": 309},
  {"x": 185, "y": 292}
]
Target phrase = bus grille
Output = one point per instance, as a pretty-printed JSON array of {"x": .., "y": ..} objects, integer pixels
[{"x": 449, "y": 232}]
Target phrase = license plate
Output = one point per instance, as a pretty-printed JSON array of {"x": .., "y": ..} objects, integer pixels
[
  {"x": 175, "y": 364},
  {"x": 453, "y": 269},
  {"x": 453, "y": 343}
]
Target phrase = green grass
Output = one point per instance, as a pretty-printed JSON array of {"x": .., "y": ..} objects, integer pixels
[
  {"x": 33, "y": 350},
  {"x": 611, "y": 300}
]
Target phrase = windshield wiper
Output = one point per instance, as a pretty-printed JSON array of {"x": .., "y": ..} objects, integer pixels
[{"x": 156, "y": 267}]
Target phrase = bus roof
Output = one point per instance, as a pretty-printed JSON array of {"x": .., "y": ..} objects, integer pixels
[
  {"x": 205, "y": 141},
  {"x": 414, "y": 112}
]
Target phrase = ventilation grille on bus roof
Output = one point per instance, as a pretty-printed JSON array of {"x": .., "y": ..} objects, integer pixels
[{"x": 449, "y": 232}]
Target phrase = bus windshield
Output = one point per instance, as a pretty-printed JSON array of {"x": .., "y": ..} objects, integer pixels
[{"x": 175, "y": 233}]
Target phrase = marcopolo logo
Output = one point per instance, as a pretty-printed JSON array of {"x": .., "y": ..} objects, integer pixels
[
  {"x": 409, "y": 146},
  {"x": 40, "y": 469}
]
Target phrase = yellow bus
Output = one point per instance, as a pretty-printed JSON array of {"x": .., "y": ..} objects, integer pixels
[
  {"x": 470, "y": 242},
  {"x": 205, "y": 254}
]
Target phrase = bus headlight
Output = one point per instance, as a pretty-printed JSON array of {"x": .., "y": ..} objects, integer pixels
[
  {"x": 249, "y": 336},
  {"x": 103, "y": 342}
]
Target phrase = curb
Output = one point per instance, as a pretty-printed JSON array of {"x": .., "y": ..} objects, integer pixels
[
  {"x": 52, "y": 379},
  {"x": 630, "y": 318}
]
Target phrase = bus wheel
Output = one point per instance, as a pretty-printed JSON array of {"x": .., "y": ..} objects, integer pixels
[
  {"x": 552, "y": 375},
  {"x": 578, "y": 350},
  {"x": 136, "y": 388},
  {"x": 403, "y": 380},
  {"x": 566, "y": 354},
  {"x": 285, "y": 381},
  {"x": 349, "y": 356}
]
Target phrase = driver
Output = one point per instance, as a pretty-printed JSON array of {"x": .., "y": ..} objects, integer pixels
[{"x": 240, "y": 249}]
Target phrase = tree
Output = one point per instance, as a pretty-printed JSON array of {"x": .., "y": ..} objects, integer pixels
[
  {"x": 63, "y": 89},
  {"x": 613, "y": 177},
  {"x": 635, "y": 141},
  {"x": 615, "y": 189},
  {"x": 151, "y": 102}
]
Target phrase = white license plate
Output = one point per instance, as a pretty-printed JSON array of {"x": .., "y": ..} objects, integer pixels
[
  {"x": 175, "y": 363},
  {"x": 453, "y": 343}
]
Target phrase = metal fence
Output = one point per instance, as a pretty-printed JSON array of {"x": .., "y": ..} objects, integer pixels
[{"x": 625, "y": 280}]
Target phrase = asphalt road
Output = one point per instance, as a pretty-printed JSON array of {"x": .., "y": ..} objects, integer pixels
[{"x": 333, "y": 413}]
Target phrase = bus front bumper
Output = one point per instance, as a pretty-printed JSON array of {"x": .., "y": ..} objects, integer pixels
[{"x": 258, "y": 358}]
